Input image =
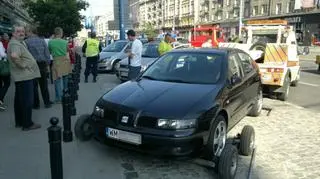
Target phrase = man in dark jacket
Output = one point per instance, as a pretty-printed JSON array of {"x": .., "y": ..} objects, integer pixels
[{"x": 40, "y": 52}]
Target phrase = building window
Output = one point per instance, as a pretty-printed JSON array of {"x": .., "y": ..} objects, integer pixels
[
  {"x": 227, "y": 15},
  {"x": 228, "y": 2},
  {"x": 290, "y": 6},
  {"x": 255, "y": 10},
  {"x": 278, "y": 8},
  {"x": 264, "y": 9},
  {"x": 236, "y": 13},
  {"x": 246, "y": 9}
]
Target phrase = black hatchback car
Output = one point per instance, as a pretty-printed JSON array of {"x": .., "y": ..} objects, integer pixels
[{"x": 186, "y": 101}]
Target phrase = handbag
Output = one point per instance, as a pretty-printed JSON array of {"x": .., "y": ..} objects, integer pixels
[{"x": 4, "y": 67}]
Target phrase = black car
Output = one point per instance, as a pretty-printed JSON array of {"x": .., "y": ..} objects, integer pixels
[{"x": 186, "y": 101}]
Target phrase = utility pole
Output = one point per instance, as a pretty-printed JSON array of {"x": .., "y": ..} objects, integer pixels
[
  {"x": 240, "y": 17},
  {"x": 121, "y": 19}
]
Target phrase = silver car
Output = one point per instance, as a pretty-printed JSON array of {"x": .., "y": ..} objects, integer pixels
[
  {"x": 149, "y": 54},
  {"x": 113, "y": 54}
]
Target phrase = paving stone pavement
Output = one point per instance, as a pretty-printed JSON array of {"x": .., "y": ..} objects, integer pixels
[{"x": 288, "y": 143}]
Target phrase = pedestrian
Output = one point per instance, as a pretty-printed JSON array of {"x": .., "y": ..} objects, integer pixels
[
  {"x": 207, "y": 43},
  {"x": 134, "y": 55},
  {"x": 91, "y": 48},
  {"x": 61, "y": 66},
  {"x": 4, "y": 76},
  {"x": 24, "y": 70},
  {"x": 40, "y": 52},
  {"x": 5, "y": 40},
  {"x": 165, "y": 45},
  {"x": 71, "y": 50}
]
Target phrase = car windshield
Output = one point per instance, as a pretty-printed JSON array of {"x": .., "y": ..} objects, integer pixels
[
  {"x": 197, "y": 68},
  {"x": 115, "y": 47},
  {"x": 150, "y": 50}
]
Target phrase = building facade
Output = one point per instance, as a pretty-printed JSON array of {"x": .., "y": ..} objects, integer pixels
[
  {"x": 12, "y": 12},
  {"x": 182, "y": 15}
]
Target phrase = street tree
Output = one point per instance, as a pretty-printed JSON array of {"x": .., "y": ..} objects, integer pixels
[
  {"x": 149, "y": 30},
  {"x": 48, "y": 14}
]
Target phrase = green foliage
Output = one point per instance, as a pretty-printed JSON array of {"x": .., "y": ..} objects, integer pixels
[
  {"x": 49, "y": 14},
  {"x": 149, "y": 30}
]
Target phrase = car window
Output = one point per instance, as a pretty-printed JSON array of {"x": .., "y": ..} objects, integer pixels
[
  {"x": 234, "y": 66},
  {"x": 115, "y": 47},
  {"x": 150, "y": 50},
  {"x": 246, "y": 62},
  {"x": 197, "y": 68}
]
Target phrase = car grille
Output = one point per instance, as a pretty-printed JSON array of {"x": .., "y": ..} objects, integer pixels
[
  {"x": 149, "y": 122},
  {"x": 111, "y": 115},
  {"x": 128, "y": 122}
]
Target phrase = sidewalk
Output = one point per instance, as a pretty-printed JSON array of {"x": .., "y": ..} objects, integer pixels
[{"x": 26, "y": 154}]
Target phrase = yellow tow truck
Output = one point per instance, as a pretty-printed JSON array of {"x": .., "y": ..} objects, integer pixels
[{"x": 273, "y": 46}]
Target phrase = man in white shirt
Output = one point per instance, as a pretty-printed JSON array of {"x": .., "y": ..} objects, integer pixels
[{"x": 134, "y": 55}]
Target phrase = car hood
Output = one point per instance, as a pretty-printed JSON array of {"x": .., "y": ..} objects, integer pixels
[
  {"x": 144, "y": 61},
  {"x": 161, "y": 99},
  {"x": 105, "y": 55}
]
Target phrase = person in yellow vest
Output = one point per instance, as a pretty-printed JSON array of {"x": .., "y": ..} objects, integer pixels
[
  {"x": 165, "y": 45},
  {"x": 91, "y": 48}
]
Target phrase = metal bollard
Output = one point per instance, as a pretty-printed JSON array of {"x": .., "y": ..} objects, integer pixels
[
  {"x": 66, "y": 111},
  {"x": 72, "y": 91},
  {"x": 54, "y": 135}
]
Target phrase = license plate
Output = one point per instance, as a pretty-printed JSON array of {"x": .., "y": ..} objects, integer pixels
[{"x": 124, "y": 136}]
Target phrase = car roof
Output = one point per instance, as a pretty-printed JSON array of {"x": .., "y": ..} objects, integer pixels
[{"x": 222, "y": 51}]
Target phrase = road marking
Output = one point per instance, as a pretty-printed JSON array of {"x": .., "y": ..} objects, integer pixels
[{"x": 309, "y": 84}]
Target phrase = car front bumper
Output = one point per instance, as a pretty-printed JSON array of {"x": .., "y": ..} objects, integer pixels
[
  {"x": 105, "y": 66},
  {"x": 123, "y": 73},
  {"x": 152, "y": 143}
]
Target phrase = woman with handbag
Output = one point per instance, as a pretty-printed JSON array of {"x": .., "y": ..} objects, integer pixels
[{"x": 4, "y": 76}]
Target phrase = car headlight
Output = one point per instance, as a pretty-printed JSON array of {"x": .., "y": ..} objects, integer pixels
[
  {"x": 177, "y": 123},
  {"x": 98, "y": 111}
]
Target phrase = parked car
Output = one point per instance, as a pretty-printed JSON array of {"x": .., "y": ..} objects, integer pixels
[
  {"x": 112, "y": 54},
  {"x": 185, "y": 102},
  {"x": 149, "y": 55}
]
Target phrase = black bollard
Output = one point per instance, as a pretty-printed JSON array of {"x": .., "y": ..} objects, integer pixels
[
  {"x": 54, "y": 135},
  {"x": 72, "y": 91},
  {"x": 66, "y": 111}
]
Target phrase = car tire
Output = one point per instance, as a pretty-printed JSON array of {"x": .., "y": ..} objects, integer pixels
[
  {"x": 259, "y": 44},
  {"x": 214, "y": 148},
  {"x": 285, "y": 94},
  {"x": 247, "y": 140},
  {"x": 83, "y": 129},
  {"x": 114, "y": 70},
  {"x": 257, "y": 107},
  {"x": 228, "y": 162}
]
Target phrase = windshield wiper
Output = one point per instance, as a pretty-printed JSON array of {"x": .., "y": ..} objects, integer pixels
[
  {"x": 148, "y": 56},
  {"x": 148, "y": 77},
  {"x": 175, "y": 80}
]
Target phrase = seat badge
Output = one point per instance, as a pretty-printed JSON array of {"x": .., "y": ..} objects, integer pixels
[{"x": 124, "y": 119}]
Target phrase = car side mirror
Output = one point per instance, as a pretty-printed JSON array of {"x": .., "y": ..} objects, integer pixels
[{"x": 235, "y": 79}]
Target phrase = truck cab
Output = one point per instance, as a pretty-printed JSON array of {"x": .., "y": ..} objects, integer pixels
[
  {"x": 273, "y": 46},
  {"x": 201, "y": 34}
]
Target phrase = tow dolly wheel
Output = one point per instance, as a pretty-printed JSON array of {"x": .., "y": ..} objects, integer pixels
[
  {"x": 83, "y": 129},
  {"x": 228, "y": 162},
  {"x": 247, "y": 139}
]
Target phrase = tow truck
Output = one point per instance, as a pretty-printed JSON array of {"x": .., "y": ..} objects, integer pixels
[
  {"x": 201, "y": 34},
  {"x": 273, "y": 46}
]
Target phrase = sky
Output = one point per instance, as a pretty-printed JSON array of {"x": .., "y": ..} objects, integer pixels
[{"x": 99, "y": 7}]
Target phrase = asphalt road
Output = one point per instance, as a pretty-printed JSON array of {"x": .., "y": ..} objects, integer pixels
[{"x": 306, "y": 94}]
